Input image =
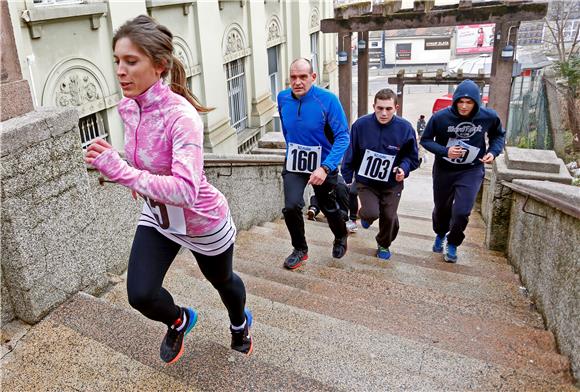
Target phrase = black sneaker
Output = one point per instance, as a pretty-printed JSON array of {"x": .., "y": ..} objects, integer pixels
[
  {"x": 241, "y": 340},
  {"x": 172, "y": 344},
  {"x": 296, "y": 258},
  {"x": 339, "y": 247},
  {"x": 311, "y": 214}
]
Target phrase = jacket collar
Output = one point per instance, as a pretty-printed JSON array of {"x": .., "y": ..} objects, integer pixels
[{"x": 153, "y": 96}]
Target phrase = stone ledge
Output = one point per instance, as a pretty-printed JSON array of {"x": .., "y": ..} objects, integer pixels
[
  {"x": 568, "y": 194},
  {"x": 502, "y": 172},
  {"x": 31, "y": 128},
  {"x": 544, "y": 161}
]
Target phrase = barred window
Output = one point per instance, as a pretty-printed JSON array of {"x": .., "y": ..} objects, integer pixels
[
  {"x": 314, "y": 54},
  {"x": 91, "y": 128},
  {"x": 237, "y": 100}
]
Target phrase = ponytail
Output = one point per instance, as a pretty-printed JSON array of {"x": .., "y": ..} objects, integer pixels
[{"x": 178, "y": 85}]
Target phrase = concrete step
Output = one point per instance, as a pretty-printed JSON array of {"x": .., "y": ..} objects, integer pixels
[
  {"x": 397, "y": 270},
  {"x": 368, "y": 279},
  {"x": 362, "y": 358},
  {"x": 207, "y": 363},
  {"x": 268, "y": 151}
]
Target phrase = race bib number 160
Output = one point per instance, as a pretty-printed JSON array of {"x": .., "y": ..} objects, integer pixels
[{"x": 303, "y": 159}]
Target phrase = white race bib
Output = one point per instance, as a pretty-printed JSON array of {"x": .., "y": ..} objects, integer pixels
[
  {"x": 376, "y": 166},
  {"x": 303, "y": 159},
  {"x": 468, "y": 156},
  {"x": 169, "y": 218}
]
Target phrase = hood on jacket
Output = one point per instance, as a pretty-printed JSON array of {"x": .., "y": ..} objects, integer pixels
[{"x": 467, "y": 89}]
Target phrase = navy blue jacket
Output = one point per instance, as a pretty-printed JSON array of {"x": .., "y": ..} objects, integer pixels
[
  {"x": 397, "y": 137},
  {"x": 315, "y": 119},
  {"x": 448, "y": 123}
]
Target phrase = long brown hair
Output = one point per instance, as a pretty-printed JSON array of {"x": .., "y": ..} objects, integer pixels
[{"x": 156, "y": 41}]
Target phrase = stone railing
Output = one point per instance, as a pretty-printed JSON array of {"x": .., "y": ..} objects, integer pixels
[
  {"x": 63, "y": 232},
  {"x": 543, "y": 244}
]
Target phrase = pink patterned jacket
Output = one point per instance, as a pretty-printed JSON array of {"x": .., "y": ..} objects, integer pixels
[{"x": 164, "y": 148}]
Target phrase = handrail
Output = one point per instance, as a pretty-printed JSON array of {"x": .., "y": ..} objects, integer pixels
[
  {"x": 565, "y": 207},
  {"x": 250, "y": 160}
]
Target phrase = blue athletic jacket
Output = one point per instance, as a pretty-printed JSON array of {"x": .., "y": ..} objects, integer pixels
[
  {"x": 316, "y": 119},
  {"x": 447, "y": 123},
  {"x": 397, "y": 137}
]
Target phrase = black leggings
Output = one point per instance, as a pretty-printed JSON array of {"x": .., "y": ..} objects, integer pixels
[{"x": 152, "y": 254}]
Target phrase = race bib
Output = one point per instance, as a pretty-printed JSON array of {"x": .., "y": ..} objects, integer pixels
[
  {"x": 376, "y": 166},
  {"x": 303, "y": 159},
  {"x": 469, "y": 154},
  {"x": 169, "y": 218}
]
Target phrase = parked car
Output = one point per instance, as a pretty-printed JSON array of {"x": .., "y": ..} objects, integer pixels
[{"x": 447, "y": 100}]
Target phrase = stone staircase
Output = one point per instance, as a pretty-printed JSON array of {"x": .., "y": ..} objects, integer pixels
[{"x": 414, "y": 323}]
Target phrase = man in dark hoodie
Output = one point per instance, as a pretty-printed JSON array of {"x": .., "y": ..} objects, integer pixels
[
  {"x": 382, "y": 152},
  {"x": 456, "y": 135}
]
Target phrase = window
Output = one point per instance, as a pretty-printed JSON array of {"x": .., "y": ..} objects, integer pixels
[
  {"x": 49, "y": 2},
  {"x": 314, "y": 54},
  {"x": 237, "y": 94},
  {"x": 91, "y": 128},
  {"x": 273, "y": 71}
]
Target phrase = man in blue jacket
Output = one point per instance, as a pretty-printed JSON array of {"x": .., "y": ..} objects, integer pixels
[
  {"x": 316, "y": 133},
  {"x": 382, "y": 153},
  {"x": 456, "y": 135}
]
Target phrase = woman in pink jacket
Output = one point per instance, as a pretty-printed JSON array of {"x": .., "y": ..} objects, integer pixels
[{"x": 164, "y": 152}]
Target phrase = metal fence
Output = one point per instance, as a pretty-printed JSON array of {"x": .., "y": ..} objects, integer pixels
[{"x": 528, "y": 122}]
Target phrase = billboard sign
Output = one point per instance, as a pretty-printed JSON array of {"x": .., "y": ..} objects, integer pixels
[
  {"x": 437, "y": 43},
  {"x": 475, "y": 38},
  {"x": 403, "y": 52}
]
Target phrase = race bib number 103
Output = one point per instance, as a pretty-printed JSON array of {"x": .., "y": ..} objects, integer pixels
[{"x": 376, "y": 166}]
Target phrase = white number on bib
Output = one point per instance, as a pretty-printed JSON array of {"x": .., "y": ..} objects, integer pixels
[
  {"x": 169, "y": 218},
  {"x": 468, "y": 156},
  {"x": 376, "y": 166},
  {"x": 303, "y": 159}
]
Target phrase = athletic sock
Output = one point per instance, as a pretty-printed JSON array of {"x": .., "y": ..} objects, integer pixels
[{"x": 234, "y": 328}]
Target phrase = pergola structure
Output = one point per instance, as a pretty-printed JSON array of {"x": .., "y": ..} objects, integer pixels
[
  {"x": 365, "y": 16},
  {"x": 419, "y": 79}
]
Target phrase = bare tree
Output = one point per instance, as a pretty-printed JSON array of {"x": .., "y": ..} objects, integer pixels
[{"x": 563, "y": 25}]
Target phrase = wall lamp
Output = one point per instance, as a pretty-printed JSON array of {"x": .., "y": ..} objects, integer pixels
[{"x": 507, "y": 53}]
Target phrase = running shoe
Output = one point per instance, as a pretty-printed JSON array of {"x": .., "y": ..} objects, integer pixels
[
  {"x": 241, "y": 340},
  {"x": 438, "y": 244},
  {"x": 172, "y": 344},
  {"x": 296, "y": 258},
  {"x": 451, "y": 253},
  {"x": 365, "y": 224},
  {"x": 351, "y": 226},
  {"x": 339, "y": 247},
  {"x": 311, "y": 214},
  {"x": 383, "y": 253}
]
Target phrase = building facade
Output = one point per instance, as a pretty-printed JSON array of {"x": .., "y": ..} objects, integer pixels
[{"x": 236, "y": 55}]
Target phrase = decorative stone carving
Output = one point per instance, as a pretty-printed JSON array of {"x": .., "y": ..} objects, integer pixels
[
  {"x": 76, "y": 88},
  {"x": 315, "y": 19},
  {"x": 273, "y": 30},
  {"x": 234, "y": 43}
]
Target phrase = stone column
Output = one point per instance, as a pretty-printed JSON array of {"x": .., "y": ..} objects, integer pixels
[
  {"x": 500, "y": 86},
  {"x": 345, "y": 75},
  {"x": 219, "y": 136},
  {"x": 516, "y": 163},
  {"x": 15, "y": 92},
  {"x": 363, "y": 75},
  {"x": 262, "y": 106}
]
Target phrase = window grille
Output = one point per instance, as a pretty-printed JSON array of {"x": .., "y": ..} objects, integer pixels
[
  {"x": 91, "y": 128},
  {"x": 237, "y": 100},
  {"x": 314, "y": 54}
]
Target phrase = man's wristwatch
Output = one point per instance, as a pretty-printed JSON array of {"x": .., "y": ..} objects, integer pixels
[{"x": 325, "y": 168}]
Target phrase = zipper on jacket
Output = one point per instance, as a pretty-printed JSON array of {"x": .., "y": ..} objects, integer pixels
[
  {"x": 136, "y": 139},
  {"x": 299, "y": 106}
]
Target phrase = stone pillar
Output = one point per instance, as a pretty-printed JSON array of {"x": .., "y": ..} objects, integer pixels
[
  {"x": 363, "y": 75},
  {"x": 345, "y": 75},
  {"x": 50, "y": 246},
  {"x": 15, "y": 92},
  {"x": 219, "y": 136},
  {"x": 500, "y": 86},
  {"x": 516, "y": 163},
  {"x": 263, "y": 107}
]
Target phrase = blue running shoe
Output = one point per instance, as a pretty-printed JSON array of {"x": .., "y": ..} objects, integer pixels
[
  {"x": 241, "y": 340},
  {"x": 451, "y": 253},
  {"x": 172, "y": 345},
  {"x": 438, "y": 245},
  {"x": 365, "y": 224},
  {"x": 383, "y": 253}
]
